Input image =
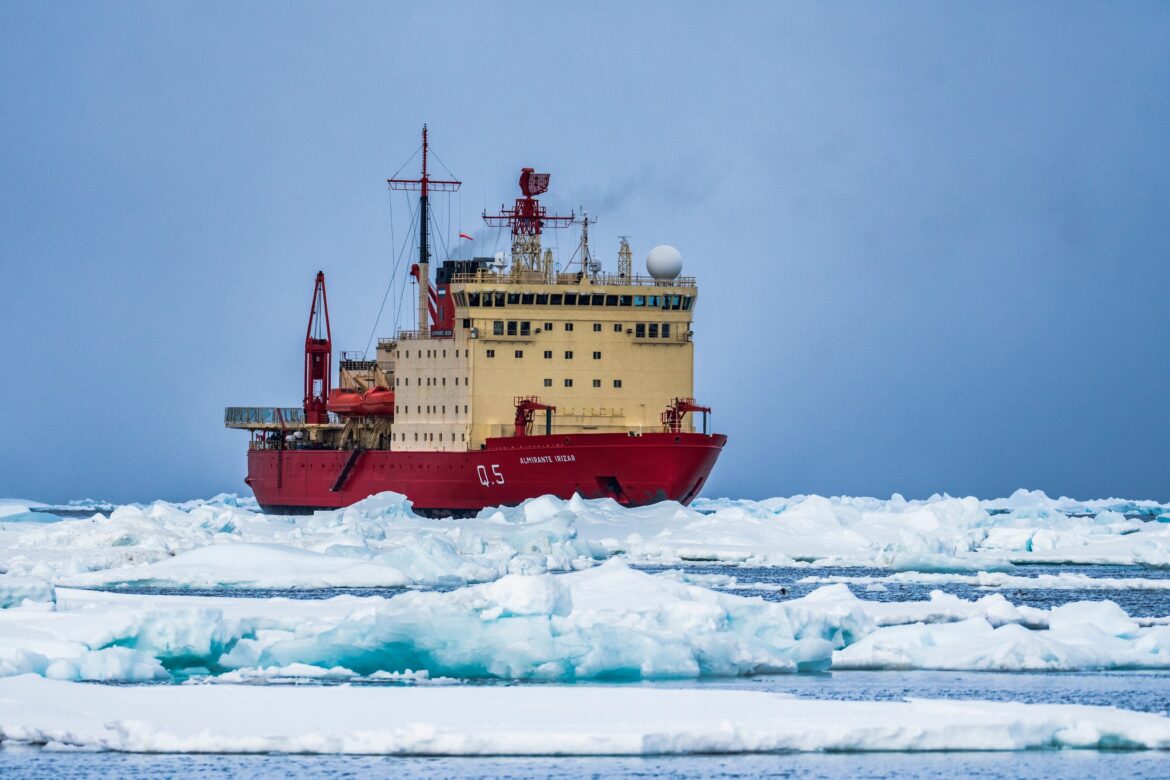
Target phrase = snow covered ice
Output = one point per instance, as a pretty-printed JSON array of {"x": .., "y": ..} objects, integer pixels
[
  {"x": 537, "y": 720},
  {"x": 605, "y": 623},
  {"x": 547, "y": 592},
  {"x": 380, "y": 542}
]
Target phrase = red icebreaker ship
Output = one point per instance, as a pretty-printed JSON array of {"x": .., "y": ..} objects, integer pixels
[{"x": 525, "y": 375}]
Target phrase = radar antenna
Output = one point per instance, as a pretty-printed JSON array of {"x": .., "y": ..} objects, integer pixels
[{"x": 527, "y": 218}]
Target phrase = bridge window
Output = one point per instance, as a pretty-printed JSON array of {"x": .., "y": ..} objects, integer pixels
[
  {"x": 499, "y": 296},
  {"x": 525, "y": 328},
  {"x": 666, "y": 330},
  {"x": 511, "y": 327},
  {"x": 554, "y": 299},
  {"x": 640, "y": 330},
  {"x": 473, "y": 299},
  {"x": 639, "y": 300},
  {"x": 653, "y": 330},
  {"x": 527, "y": 299},
  {"x": 542, "y": 299},
  {"x": 598, "y": 299},
  {"x": 611, "y": 300},
  {"x": 487, "y": 299},
  {"x": 498, "y": 328},
  {"x": 513, "y": 299},
  {"x": 686, "y": 303},
  {"x": 570, "y": 299},
  {"x": 625, "y": 300}
]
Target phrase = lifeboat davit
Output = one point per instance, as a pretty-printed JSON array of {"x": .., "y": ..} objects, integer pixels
[{"x": 376, "y": 402}]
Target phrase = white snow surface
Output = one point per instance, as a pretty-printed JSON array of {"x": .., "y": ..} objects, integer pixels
[
  {"x": 609, "y": 622},
  {"x": 18, "y": 591},
  {"x": 537, "y": 720},
  {"x": 380, "y": 541}
]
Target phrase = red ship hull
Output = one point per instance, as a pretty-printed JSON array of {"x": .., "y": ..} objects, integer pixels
[{"x": 633, "y": 470}]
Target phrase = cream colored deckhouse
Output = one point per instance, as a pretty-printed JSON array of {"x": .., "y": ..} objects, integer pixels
[{"x": 610, "y": 352}]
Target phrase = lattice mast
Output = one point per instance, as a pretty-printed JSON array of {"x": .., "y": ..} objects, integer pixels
[
  {"x": 527, "y": 218},
  {"x": 422, "y": 270},
  {"x": 625, "y": 260}
]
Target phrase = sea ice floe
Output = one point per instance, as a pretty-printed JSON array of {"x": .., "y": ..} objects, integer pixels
[
  {"x": 17, "y": 591},
  {"x": 1064, "y": 581},
  {"x": 609, "y": 622},
  {"x": 380, "y": 541},
  {"x": 537, "y": 720}
]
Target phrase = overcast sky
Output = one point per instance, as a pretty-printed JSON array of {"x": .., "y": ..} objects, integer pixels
[{"x": 932, "y": 239}]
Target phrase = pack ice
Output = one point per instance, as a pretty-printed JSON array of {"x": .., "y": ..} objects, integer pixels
[
  {"x": 536, "y": 720},
  {"x": 381, "y": 542},
  {"x": 609, "y": 622}
]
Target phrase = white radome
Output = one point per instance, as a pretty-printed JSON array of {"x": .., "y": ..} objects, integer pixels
[{"x": 664, "y": 262}]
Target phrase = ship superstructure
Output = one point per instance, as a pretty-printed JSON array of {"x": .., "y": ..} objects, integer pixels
[{"x": 520, "y": 379}]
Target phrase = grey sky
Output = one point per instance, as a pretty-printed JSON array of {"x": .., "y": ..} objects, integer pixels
[{"x": 933, "y": 239}]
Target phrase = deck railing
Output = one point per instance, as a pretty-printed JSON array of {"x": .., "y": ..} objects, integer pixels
[
  {"x": 268, "y": 417},
  {"x": 564, "y": 279}
]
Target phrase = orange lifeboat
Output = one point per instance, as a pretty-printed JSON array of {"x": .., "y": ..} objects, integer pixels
[
  {"x": 345, "y": 402},
  {"x": 378, "y": 402}
]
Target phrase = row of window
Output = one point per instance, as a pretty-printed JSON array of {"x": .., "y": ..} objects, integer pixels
[
  {"x": 548, "y": 353},
  {"x": 524, "y": 328},
  {"x": 426, "y": 437},
  {"x": 430, "y": 351},
  {"x": 432, "y": 381},
  {"x": 430, "y": 409},
  {"x": 498, "y": 299},
  {"x": 617, "y": 383}
]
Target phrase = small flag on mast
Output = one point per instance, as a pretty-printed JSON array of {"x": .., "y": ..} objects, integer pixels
[{"x": 464, "y": 235}]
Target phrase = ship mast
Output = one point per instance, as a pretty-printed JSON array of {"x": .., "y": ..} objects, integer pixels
[{"x": 422, "y": 270}]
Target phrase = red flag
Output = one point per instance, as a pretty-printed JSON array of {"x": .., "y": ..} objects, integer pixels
[{"x": 464, "y": 235}]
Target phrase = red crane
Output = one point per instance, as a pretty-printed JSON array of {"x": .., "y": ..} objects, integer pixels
[
  {"x": 526, "y": 407},
  {"x": 672, "y": 418},
  {"x": 318, "y": 357}
]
